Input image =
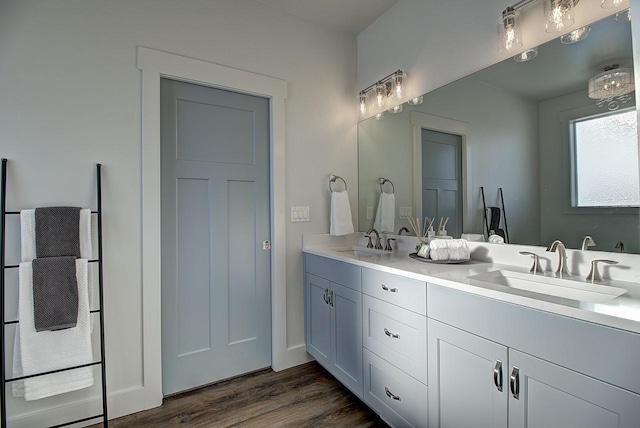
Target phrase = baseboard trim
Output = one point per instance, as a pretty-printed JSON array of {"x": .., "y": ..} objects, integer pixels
[{"x": 120, "y": 403}]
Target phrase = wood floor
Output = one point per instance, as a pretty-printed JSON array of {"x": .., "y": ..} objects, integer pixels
[{"x": 303, "y": 396}]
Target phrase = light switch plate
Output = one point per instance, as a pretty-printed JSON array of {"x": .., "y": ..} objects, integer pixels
[
  {"x": 404, "y": 212},
  {"x": 369, "y": 213},
  {"x": 300, "y": 215}
]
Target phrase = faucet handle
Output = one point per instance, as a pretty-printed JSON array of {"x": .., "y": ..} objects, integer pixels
[
  {"x": 535, "y": 267},
  {"x": 369, "y": 244},
  {"x": 388, "y": 247},
  {"x": 594, "y": 275}
]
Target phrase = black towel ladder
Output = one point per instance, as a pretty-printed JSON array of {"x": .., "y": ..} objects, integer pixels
[{"x": 100, "y": 310}]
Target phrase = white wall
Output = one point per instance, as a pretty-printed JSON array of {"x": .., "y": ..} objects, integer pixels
[
  {"x": 72, "y": 97},
  {"x": 437, "y": 42}
]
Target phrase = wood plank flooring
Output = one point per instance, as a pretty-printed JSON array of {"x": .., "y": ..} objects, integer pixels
[{"x": 303, "y": 396}]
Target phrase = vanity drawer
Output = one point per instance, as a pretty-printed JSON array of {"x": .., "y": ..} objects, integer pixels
[
  {"x": 397, "y": 335},
  {"x": 401, "y": 291},
  {"x": 398, "y": 398},
  {"x": 333, "y": 270}
]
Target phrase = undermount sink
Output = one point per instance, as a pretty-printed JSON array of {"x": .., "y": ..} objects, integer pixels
[
  {"x": 551, "y": 286},
  {"x": 363, "y": 251}
]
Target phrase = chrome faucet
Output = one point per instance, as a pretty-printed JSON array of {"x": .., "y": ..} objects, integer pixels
[
  {"x": 620, "y": 246},
  {"x": 588, "y": 242},
  {"x": 378, "y": 245},
  {"x": 404, "y": 229},
  {"x": 558, "y": 246}
]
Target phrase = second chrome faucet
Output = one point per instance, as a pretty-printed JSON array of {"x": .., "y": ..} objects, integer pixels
[{"x": 558, "y": 246}]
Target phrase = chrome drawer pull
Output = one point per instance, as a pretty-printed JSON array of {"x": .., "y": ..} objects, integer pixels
[
  {"x": 390, "y": 290},
  {"x": 514, "y": 381},
  {"x": 391, "y": 395},
  {"x": 325, "y": 296},
  {"x": 497, "y": 375},
  {"x": 388, "y": 333}
]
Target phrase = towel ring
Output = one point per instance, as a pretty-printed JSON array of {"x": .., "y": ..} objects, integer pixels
[
  {"x": 382, "y": 181},
  {"x": 333, "y": 178}
]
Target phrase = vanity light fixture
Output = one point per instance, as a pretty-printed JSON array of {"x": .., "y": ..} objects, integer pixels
[
  {"x": 612, "y": 87},
  {"x": 380, "y": 93},
  {"x": 576, "y": 35},
  {"x": 509, "y": 30},
  {"x": 363, "y": 104},
  {"x": 608, "y": 4},
  {"x": 624, "y": 16},
  {"x": 558, "y": 15},
  {"x": 415, "y": 101},
  {"x": 527, "y": 55},
  {"x": 396, "y": 109}
]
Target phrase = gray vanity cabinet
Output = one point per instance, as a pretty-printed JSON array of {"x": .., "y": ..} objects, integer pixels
[
  {"x": 478, "y": 377},
  {"x": 333, "y": 318},
  {"x": 463, "y": 391}
]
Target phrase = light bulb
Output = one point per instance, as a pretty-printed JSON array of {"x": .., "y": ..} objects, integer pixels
[
  {"x": 398, "y": 85},
  {"x": 363, "y": 104},
  {"x": 381, "y": 94}
]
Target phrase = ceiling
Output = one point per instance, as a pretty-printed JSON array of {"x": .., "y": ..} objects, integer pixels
[{"x": 351, "y": 16}]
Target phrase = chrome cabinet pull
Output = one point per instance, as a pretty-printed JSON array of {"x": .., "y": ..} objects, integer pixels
[
  {"x": 388, "y": 333},
  {"x": 497, "y": 375},
  {"x": 325, "y": 296},
  {"x": 391, "y": 395},
  {"x": 390, "y": 290},
  {"x": 331, "y": 298},
  {"x": 514, "y": 381}
]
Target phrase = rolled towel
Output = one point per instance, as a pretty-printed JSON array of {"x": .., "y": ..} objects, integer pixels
[
  {"x": 28, "y": 234},
  {"x": 340, "y": 216},
  {"x": 449, "y": 249}
]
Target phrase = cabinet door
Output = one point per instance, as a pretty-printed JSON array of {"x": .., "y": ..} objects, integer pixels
[
  {"x": 346, "y": 329},
  {"x": 552, "y": 396},
  {"x": 463, "y": 391},
  {"x": 318, "y": 319}
]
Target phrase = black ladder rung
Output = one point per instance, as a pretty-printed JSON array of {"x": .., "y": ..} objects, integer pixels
[
  {"x": 95, "y": 311},
  {"x": 18, "y": 212},
  {"x": 77, "y": 421},
  {"x": 17, "y": 266},
  {"x": 52, "y": 372}
]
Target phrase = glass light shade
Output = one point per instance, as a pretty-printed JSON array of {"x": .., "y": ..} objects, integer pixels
[
  {"x": 363, "y": 104},
  {"x": 379, "y": 116},
  {"x": 509, "y": 31},
  {"x": 381, "y": 95},
  {"x": 396, "y": 109},
  {"x": 527, "y": 55},
  {"x": 415, "y": 101},
  {"x": 399, "y": 81},
  {"x": 575, "y": 35},
  {"x": 613, "y": 82},
  {"x": 558, "y": 15},
  {"x": 608, "y": 4}
]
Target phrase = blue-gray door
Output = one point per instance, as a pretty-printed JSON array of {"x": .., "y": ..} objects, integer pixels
[
  {"x": 216, "y": 280},
  {"x": 441, "y": 179}
]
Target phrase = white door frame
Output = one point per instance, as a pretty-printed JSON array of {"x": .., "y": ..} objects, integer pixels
[
  {"x": 156, "y": 65},
  {"x": 420, "y": 121}
]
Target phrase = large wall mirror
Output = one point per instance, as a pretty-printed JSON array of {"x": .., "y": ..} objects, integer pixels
[{"x": 567, "y": 166}]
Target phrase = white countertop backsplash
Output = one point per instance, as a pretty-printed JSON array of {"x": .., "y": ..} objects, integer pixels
[{"x": 622, "y": 312}]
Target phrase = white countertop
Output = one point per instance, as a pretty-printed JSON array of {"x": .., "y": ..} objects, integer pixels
[{"x": 621, "y": 312}]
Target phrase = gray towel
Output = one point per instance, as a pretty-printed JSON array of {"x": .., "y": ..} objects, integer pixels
[
  {"x": 55, "y": 293},
  {"x": 57, "y": 232}
]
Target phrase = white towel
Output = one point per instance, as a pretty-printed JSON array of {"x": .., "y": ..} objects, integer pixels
[
  {"x": 449, "y": 249},
  {"x": 341, "y": 221},
  {"x": 28, "y": 234},
  {"x": 386, "y": 213},
  {"x": 37, "y": 352}
]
